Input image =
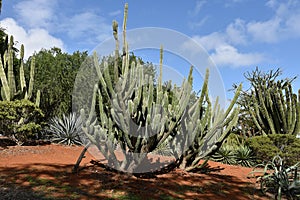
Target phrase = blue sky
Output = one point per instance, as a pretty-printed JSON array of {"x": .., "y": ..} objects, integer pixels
[{"x": 237, "y": 34}]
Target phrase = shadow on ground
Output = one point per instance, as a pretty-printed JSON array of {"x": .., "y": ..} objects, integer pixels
[{"x": 47, "y": 181}]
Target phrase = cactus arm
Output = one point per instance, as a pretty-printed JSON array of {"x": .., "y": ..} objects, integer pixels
[
  {"x": 10, "y": 72},
  {"x": 31, "y": 81},
  {"x": 22, "y": 75},
  {"x": 38, "y": 98},
  {"x": 265, "y": 112},
  {"x": 115, "y": 33},
  {"x": 5, "y": 87}
]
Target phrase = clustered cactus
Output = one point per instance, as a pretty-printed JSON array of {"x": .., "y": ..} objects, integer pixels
[
  {"x": 141, "y": 115},
  {"x": 272, "y": 105},
  {"x": 9, "y": 89}
]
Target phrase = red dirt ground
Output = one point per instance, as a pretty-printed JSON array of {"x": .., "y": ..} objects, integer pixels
[{"x": 44, "y": 172}]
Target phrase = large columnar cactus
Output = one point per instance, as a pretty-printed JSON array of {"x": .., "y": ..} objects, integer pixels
[
  {"x": 9, "y": 88},
  {"x": 141, "y": 115},
  {"x": 272, "y": 105}
]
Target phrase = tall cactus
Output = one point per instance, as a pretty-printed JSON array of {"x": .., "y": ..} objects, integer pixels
[
  {"x": 141, "y": 115},
  {"x": 272, "y": 105},
  {"x": 8, "y": 85}
]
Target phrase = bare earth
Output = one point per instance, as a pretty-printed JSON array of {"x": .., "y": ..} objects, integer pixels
[{"x": 44, "y": 172}]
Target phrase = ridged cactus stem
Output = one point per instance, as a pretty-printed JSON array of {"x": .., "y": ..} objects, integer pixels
[
  {"x": 5, "y": 87},
  {"x": 31, "y": 80},
  {"x": 297, "y": 126},
  {"x": 10, "y": 72},
  {"x": 124, "y": 28},
  {"x": 22, "y": 74},
  {"x": 115, "y": 33}
]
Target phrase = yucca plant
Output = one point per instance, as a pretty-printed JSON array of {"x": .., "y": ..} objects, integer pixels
[
  {"x": 66, "y": 130},
  {"x": 279, "y": 179}
]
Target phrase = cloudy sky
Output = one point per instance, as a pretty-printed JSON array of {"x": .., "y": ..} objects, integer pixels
[{"x": 237, "y": 34}]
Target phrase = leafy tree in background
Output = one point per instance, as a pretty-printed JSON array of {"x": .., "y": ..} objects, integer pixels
[{"x": 55, "y": 76}]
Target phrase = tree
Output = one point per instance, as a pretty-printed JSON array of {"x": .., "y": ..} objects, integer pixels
[{"x": 55, "y": 76}]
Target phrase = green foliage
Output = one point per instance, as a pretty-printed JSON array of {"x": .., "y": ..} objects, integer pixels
[
  {"x": 234, "y": 152},
  {"x": 66, "y": 130},
  {"x": 269, "y": 106},
  {"x": 244, "y": 156},
  {"x": 225, "y": 155},
  {"x": 20, "y": 119},
  {"x": 266, "y": 147},
  {"x": 279, "y": 179},
  {"x": 55, "y": 76}
]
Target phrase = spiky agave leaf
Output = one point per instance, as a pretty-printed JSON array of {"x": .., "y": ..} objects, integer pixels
[{"x": 66, "y": 130}]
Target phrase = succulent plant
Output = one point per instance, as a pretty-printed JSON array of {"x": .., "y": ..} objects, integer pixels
[{"x": 66, "y": 130}]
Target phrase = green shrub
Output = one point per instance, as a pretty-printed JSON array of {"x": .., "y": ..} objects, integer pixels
[
  {"x": 266, "y": 147},
  {"x": 20, "y": 119}
]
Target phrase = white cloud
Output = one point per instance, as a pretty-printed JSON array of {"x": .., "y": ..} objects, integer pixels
[
  {"x": 115, "y": 13},
  {"x": 87, "y": 26},
  {"x": 227, "y": 55},
  {"x": 199, "y": 5},
  {"x": 283, "y": 25},
  {"x": 223, "y": 53},
  {"x": 267, "y": 31},
  {"x": 198, "y": 24},
  {"x": 223, "y": 46},
  {"x": 293, "y": 25},
  {"x": 36, "y": 13},
  {"x": 236, "y": 32},
  {"x": 33, "y": 39},
  {"x": 211, "y": 41}
]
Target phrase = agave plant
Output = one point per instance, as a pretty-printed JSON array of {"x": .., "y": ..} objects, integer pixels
[
  {"x": 244, "y": 156},
  {"x": 279, "y": 179},
  {"x": 66, "y": 130},
  {"x": 225, "y": 155}
]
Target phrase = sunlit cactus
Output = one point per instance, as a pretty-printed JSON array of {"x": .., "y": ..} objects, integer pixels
[
  {"x": 9, "y": 88},
  {"x": 140, "y": 115},
  {"x": 272, "y": 105}
]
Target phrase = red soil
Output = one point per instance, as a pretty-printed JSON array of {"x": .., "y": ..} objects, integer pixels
[{"x": 37, "y": 172}]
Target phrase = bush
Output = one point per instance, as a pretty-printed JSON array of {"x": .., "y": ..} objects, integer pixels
[
  {"x": 266, "y": 147},
  {"x": 20, "y": 120}
]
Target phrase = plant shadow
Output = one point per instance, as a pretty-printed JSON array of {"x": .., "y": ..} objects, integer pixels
[{"x": 51, "y": 181}]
